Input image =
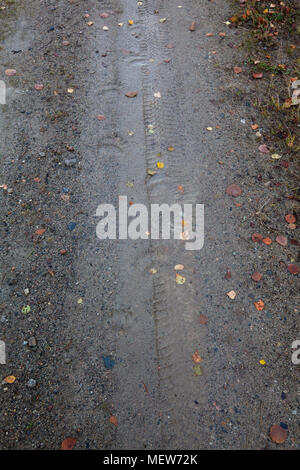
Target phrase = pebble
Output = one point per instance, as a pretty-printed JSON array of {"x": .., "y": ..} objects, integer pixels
[
  {"x": 31, "y": 383},
  {"x": 32, "y": 342}
]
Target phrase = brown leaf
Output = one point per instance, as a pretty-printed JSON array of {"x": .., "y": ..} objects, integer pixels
[
  {"x": 293, "y": 268},
  {"x": 68, "y": 443},
  {"x": 113, "y": 420},
  {"x": 131, "y": 94},
  {"x": 203, "y": 319},
  {"x": 278, "y": 434},
  {"x": 256, "y": 276},
  {"x": 233, "y": 190},
  {"x": 193, "y": 26},
  {"x": 227, "y": 275},
  {"x": 281, "y": 240}
]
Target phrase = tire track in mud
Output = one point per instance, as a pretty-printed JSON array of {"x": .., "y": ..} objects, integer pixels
[{"x": 175, "y": 308}]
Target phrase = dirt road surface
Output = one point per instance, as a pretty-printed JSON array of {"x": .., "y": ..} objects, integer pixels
[{"x": 109, "y": 331}]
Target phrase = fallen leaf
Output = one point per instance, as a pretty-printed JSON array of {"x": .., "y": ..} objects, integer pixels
[
  {"x": 193, "y": 26},
  {"x": 68, "y": 443},
  {"x": 263, "y": 148},
  {"x": 231, "y": 294},
  {"x": 262, "y": 362},
  {"x": 260, "y": 305},
  {"x": 228, "y": 275},
  {"x": 196, "y": 357},
  {"x": 290, "y": 218},
  {"x": 151, "y": 172},
  {"x": 40, "y": 231},
  {"x": 282, "y": 240},
  {"x": 179, "y": 279},
  {"x": 113, "y": 420},
  {"x": 257, "y": 237},
  {"x": 130, "y": 22},
  {"x": 197, "y": 370},
  {"x": 233, "y": 190},
  {"x": 171, "y": 149},
  {"x": 160, "y": 165},
  {"x": 237, "y": 69},
  {"x": 203, "y": 319},
  {"x": 100, "y": 117},
  {"x": 163, "y": 20},
  {"x": 26, "y": 309},
  {"x": 278, "y": 434},
  {"x": 178, "y": 267},
  {"x": 257, "y": 75},
  {"x": 293, "y": 268},
  {"x": 131, "y": 94},
  {"x": 180, "y": 188},
  {"x": 157, "y": 94},
  {"x": 276, "y": 156},
  {"x": 256, "y": 276},
  {"x": 267, "y": 241},
  {"x": 38, "y": 86},
  {"x": 254, "y": 126},
  {"x": 10, "y": 379},
  {"x": 10, "y": 72},
  {"x": 152, "y": 270}
]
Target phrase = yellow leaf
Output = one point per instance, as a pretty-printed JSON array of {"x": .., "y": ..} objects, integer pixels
[
  {"x": 171, "y": 149},
  {"x": 180, "y": 279},
  {"x": 262, "y": 362},
  {"x": 130, "y": 22},
  {"x": 160, "y": 165},
  {"x": 10, "y": 379}
]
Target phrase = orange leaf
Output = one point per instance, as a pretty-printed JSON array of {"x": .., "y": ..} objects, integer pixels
[
  {"x": 267, "y": 241},
  {"x": 113, "y": 420},
  {"x": 278, "y": 434},
  {"x": 196, "y": 357},
  {"x": 259, "y": 305},
  {"x": 40, "y": 231}
]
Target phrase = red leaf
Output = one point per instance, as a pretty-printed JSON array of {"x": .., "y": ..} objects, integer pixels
[
  {"x": 257, "y": 237},
  {"x": 68, "y": 443},
  {"x": 293, "y": 268},
  {"x": 100, "y": 117},
  {"x": 228, "y": 275},
  {"x": 38, "y": 86},
  {"x": 256, "y": 276}
]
